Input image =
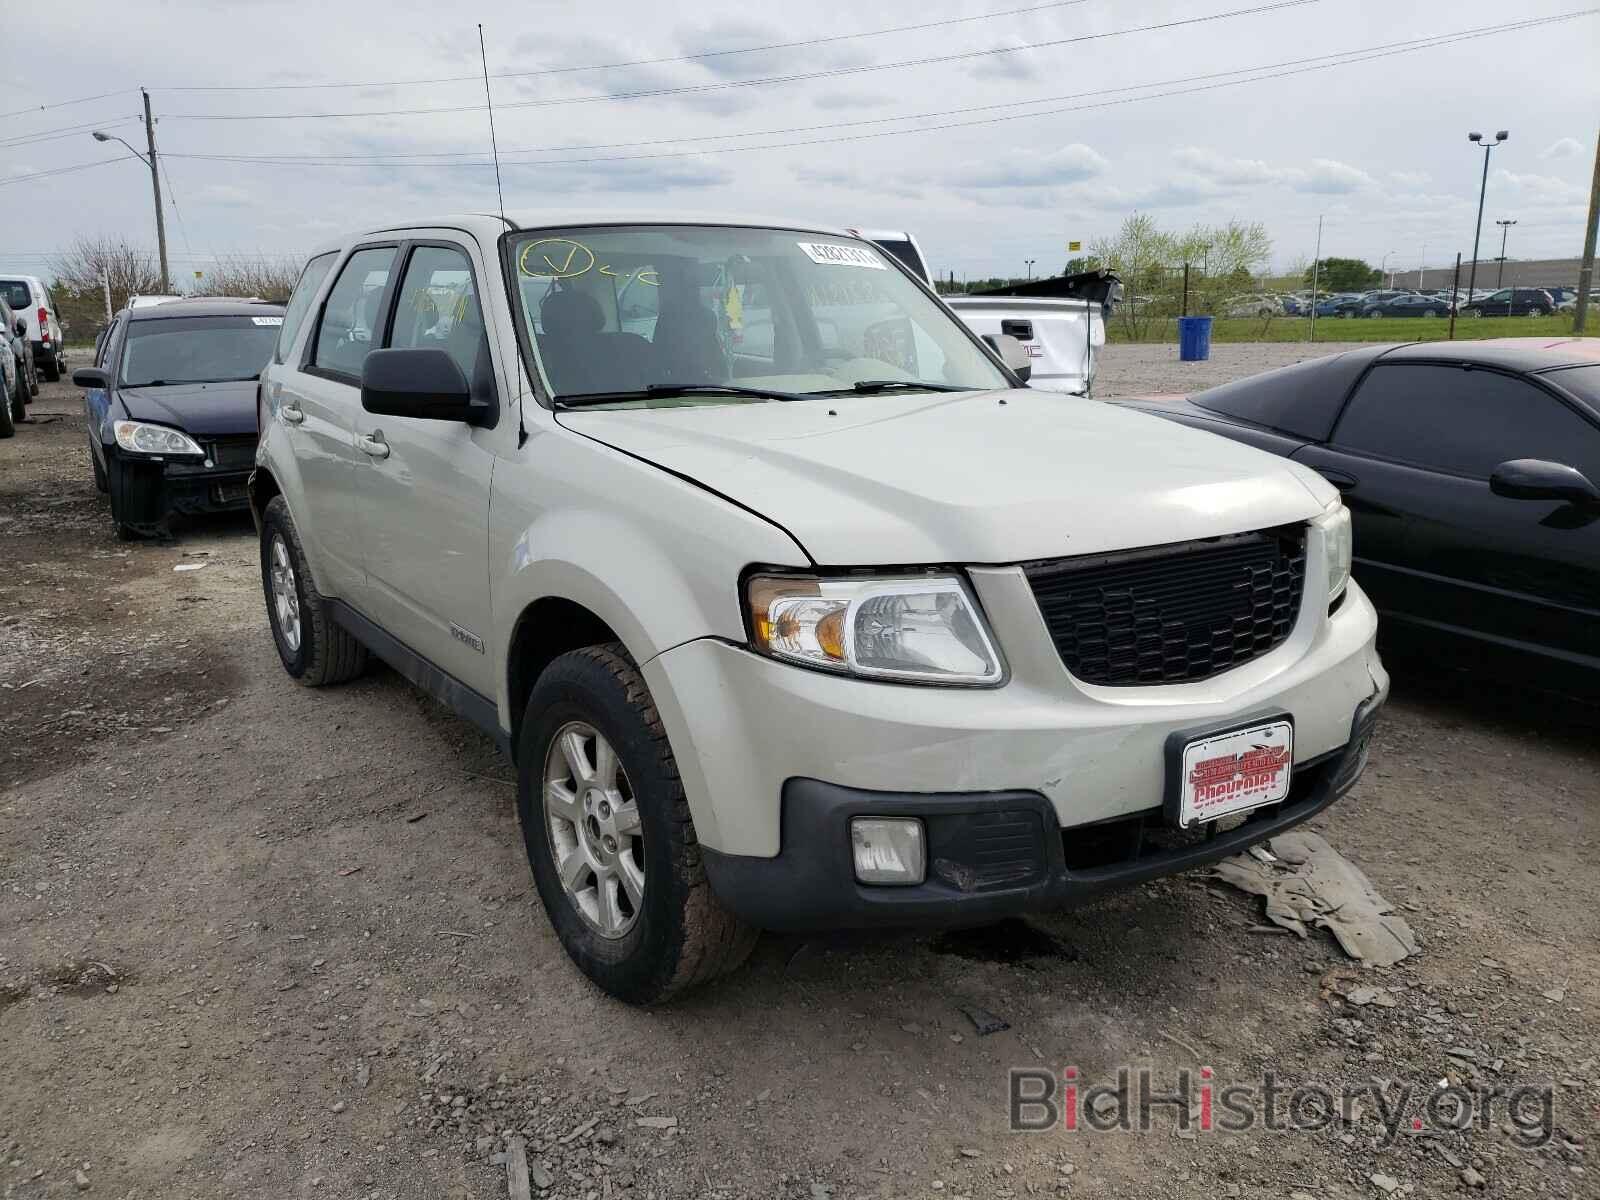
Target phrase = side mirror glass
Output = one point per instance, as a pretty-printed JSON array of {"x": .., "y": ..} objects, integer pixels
[
  {"x": 1012, "y": 352},
  {"x": 424, "y": 383},
  {"x": 1537, "y": 479},
  {"x": 91, "y": 377}
]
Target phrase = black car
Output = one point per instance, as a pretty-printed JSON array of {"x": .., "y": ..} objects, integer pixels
[
  {"x": 1407, "y": 304},
  {"x": 1470, "y": 469},
  {"x": 1511, "y": 302},
  {"x": 171, "y": 406}
]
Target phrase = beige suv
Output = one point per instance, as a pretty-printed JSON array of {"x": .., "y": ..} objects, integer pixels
[{"x": 794, "y": 606}]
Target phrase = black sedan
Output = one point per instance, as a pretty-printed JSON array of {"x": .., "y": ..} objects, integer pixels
[
  {"x": 1471, "y": 472},
  {"x": 171, "y": 406},
  {"x": 1409, "y": 305}
]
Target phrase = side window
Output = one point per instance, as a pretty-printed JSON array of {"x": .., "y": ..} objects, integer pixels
[
  {"x": 108, "y": 346},
  {"x": 438, "y": 307},
  {"x": 353, "y": 309},
  {"x": 1465, "y": 422},
  {"x": 305, "y": 291}
]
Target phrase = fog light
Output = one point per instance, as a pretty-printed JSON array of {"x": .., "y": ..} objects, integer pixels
[{"x": 888, "y": 849}]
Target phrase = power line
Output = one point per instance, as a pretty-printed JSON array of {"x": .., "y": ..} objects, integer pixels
[
  {"x": 699, "y": 56},
  {"x": 33, "y": 108},
  {"x": 50, "y": 135},
  {"x": 63, "y": 170},
  {"x": 1253, "y": 75},
  {"x": 1329, "y": 59},
  {"x": 761, "y": 81}
]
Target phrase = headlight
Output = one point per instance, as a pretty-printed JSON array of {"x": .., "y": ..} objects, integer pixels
[
  {"x": 1337, "y": 544},
  {"x": 138, "y": 438},
  {"x": 924, "y": 629}
]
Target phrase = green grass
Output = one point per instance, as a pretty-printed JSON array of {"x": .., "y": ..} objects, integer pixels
[{"x": 1356, "y": 329}]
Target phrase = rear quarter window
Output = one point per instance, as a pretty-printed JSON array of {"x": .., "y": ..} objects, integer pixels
[{"x": 1302, "y": 400}]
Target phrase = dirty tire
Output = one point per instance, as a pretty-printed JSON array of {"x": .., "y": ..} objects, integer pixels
[
  {"x": 683, "y": 936},
  {"x": 100, "y": 481},
  {"x": 8, "y": 427},
  {"x": 327, "y": 652},
  {"x": 19, "y": 398}
]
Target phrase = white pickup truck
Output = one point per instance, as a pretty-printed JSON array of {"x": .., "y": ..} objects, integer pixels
[{"x": 1062, "y": 335}]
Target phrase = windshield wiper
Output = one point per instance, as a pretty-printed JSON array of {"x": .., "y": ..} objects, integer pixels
[
  {"x": 659, "y": 390},
  {"x": 867, "y": 387},
  {"x": 186, "y": 382}
]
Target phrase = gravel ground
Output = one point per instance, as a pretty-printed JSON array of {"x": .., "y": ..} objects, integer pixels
[
  {"x": 263, "y": 942},
  {"x": 1140, "y": 370}
]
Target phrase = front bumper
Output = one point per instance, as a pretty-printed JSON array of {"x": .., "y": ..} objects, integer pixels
[
  {"x": 995, "y": 854},
  {"x": 148, "y": 492}
]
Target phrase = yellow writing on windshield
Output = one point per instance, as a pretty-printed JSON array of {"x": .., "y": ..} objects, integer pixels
[{"x": 563, "y": 258}]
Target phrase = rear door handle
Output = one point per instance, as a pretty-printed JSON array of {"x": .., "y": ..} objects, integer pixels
[
  {"x": 291, "y": 413},
  {"x": 374, "y": 444}
]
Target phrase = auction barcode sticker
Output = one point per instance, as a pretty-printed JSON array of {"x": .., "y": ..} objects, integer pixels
[
  {"x": 267, "y": 320},
  {"x": 830, "y": 254}
]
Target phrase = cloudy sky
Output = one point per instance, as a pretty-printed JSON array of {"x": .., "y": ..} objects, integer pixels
[{"x": 997, "y": 130}]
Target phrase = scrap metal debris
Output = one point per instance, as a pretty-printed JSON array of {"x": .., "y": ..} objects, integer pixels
[{"x": 1307, "y": 882}]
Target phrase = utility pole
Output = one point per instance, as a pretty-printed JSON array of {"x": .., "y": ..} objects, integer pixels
[
  {"x": 1422, "y": 265},
  {"x": 1586, "y": 272},
  {"x": 105, "y": 284},
  {"x": 1483, "y": 187},
  {"x": 1505, "y": 228},
  {"x": 155, "y": 184}
]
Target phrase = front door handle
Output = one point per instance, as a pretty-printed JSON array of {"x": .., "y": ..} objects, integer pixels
[
  {"x": 374, "y": 445},
  {"x": 291, "y": 413}
]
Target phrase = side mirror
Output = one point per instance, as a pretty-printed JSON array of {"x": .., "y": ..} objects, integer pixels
[
  {"x": 424, "y": 383},
  {"x": 91, "y": 377},
  {"x": 1536, "y": 479},
  {"x": 1012, "y": 353}
]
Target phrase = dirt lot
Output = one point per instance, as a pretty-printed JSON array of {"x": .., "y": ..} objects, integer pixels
[{"x": 262, "y": 942}]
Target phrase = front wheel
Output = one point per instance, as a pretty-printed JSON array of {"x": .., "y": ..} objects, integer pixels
[
  {"x": 1374, "y": 315},
  {"x": 1538, "y": 312},
  {"x": 8, "y": 427},
  {"x": 609, "y": 837},
  {"x": 314, "y": 649},
  {"x": 19, "y": 398}
]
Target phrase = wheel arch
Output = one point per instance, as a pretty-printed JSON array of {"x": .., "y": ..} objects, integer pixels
[{"x": 544, "y": 630}]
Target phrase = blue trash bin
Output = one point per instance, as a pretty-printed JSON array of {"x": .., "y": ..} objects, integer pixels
[{"x": 1194, "y": 339}]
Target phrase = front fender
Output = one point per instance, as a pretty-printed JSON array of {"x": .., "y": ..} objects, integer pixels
[{"x": 655, "y": 557}]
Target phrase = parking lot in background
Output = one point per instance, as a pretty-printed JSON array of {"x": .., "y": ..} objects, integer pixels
[{"x": 262, "y": 941}]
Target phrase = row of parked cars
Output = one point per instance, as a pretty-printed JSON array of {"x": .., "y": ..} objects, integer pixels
[
  {"x": 797, "y": 608},
  {"x": 31, "y": 345},
  {"x": 1404, "y": 302}
]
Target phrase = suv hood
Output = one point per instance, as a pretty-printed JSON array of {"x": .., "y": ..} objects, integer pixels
[
  {"x": 203, "y": 409},
  {"x": 971, "y": 477}
]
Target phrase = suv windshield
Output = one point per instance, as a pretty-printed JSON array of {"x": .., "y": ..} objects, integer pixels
[
  {"x": 198, "y": 349},
  {"x": 16, "y": 293},
  {"x": 651, "y": 315}
]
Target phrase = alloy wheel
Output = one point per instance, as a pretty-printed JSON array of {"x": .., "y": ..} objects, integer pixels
[
  {"x": 285, "y": 594},
  {"x": 595, "y": 835}
]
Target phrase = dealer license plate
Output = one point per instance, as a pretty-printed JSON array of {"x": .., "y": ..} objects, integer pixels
[{"x": 1234, "y": 772}]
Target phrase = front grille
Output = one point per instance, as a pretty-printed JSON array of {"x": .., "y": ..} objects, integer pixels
[
  {"x": 232, "y": 452},
  {"x": 1172, "y": 614}
]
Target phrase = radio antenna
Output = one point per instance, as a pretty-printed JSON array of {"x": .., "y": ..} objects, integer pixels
[{"x": 493, "y": 145}]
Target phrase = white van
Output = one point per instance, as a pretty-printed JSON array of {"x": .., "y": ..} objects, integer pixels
[{"x": 30, "y": 299}]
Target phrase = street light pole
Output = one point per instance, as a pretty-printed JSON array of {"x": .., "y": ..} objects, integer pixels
[
  {"x": 1505, "y": 228},
  {"x": 150, "y": 161},
  {"x": 1483, "y": 187},
  {"x": 1383, "y": 269},
  {"x": 1030, "y": 262}
]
